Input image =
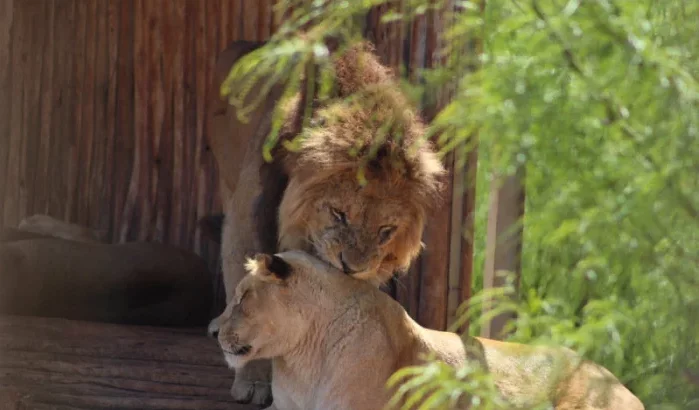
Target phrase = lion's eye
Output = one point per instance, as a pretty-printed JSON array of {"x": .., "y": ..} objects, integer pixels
[
  {"x": 339, "y": 216},
  {"x": 385, "y": 233}
]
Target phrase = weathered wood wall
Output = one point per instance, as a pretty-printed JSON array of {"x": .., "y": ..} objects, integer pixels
[
  {"x": 102, "y": 122},
  {"x": 103, "y": 108}
]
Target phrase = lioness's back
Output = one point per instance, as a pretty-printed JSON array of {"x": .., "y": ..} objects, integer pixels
[{"x": 528, "y": 376}]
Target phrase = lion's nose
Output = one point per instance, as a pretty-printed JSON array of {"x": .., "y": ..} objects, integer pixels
[
  {"x": 345, "y": 267},
  {"x": 351, "y": 267}
]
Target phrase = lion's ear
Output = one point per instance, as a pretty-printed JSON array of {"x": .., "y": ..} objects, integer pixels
[{"x": 269, "y": 267}]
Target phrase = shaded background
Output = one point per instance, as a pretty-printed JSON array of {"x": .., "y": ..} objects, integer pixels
[{"x": 102, "y": 123}]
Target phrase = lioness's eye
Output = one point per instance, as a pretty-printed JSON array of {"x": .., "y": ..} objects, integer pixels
[
  {"x": 385, "y": 233},
  {"x": 339, "y": 216}
]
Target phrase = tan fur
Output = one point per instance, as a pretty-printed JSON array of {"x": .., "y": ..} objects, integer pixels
[
  {"x": 402, "y": 178},
  {"x": 236, "y": 146},
  {"x": 335, "y": 341},
  {"x": 50, "y": 226},
  {"x": 401, "y": 183},
  {"x": 401, "y": 172}
]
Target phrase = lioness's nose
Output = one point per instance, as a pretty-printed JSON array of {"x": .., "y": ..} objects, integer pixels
[{"x": 213, "y": 329}]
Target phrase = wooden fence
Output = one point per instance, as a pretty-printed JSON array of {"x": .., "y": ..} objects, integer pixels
[{"x": 102, "y": 123}]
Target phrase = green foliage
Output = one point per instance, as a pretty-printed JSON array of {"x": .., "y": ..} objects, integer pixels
[
  {"x": 599, "y": 102},
  {"x": 437, "y": 385}
]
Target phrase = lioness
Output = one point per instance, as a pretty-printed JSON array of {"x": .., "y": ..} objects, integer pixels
[
  {"x": 131, "y": 283},
  {"x": 50, "y": 226},
  {"x": 335, "y": 341},
  {"x": 312, "y": 199}
]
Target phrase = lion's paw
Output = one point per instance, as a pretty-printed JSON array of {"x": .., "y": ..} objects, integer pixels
[{"x": 255, "y": 392}]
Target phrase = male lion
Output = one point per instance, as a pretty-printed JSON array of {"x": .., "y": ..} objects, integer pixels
[
  {"x": 335, "y": 341},
  {"x": 313, "y": 199}
]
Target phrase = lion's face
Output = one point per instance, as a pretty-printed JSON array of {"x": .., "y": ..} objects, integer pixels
[
  {"x": 271, "y": 309},
  {"x": 369, "y": 232}
]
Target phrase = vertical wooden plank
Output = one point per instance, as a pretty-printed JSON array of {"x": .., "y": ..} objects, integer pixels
[
  {"x": 388, "y": 38},
  {"x": 172, "y": 50},
  {"x": 504, "y": 239},
  {"x": 397, "y": 37},
  {"x": 468, "y": 238},
  {"x": 250, "y": 23},
  {"x": 200, "y": 49},
  {"x": 42, "y": 176},
  {"x": 19, "y": 67},
  {"x": 206, "y": 46},
  {"x": 264, "y": 20},
  {"x": 62, "y": 124},
  {"x": 79, "y": 96},
  {"x": 237, "y": 18},
  {"x": 125, "y": 152},
  {"x": 107, "y": 201},
  {"x": 205, "y": 163},
  {"x": 85, "y": 142},
  {"x": 226, "y": 24},
  {"x": 143, "y": 115},
  {"x": 455, "y": 240},
  {"x": 31, "y": 114},
  {"x": 434, "y": 282},
  {"x": 6, "y": 44},
  {"x": 154, "y": 105},
  {"x": 417, "y": 46},
  {"x": 148, "y": 137},
  {"x": 98, "y": 211},
  {"x": 180, "y": 28},
  {"x": 435, "y": 260},
  {"x": 129, "y": 229},
  {"x": 161, "y": 129},
  {"x": 190, "y": 72},
  {"x": 469, "y": 197}
]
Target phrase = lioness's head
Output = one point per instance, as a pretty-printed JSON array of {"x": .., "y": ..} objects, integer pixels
[
  {"x": 363, "y": 178},
  {"x": 273, "y": 306}
]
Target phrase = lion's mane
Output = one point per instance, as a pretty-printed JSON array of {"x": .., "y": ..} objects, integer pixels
[{"x": 369, "y": 133}]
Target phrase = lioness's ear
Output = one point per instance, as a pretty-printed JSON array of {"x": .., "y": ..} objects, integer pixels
[{"x": 269, "y": 267}]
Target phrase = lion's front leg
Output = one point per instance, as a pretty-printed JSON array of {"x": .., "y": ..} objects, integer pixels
[
  {"x": 252, "y": 383},
  {"x": 237, "y": 147},
  {"x": 238, "y": 240}
]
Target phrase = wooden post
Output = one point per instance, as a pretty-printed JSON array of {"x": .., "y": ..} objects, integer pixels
[
  {"x": 436, "y": 258},
  {"x": 462, "y": 263},
  {"x": 504, "y": 240},
  {"x": 6, "y": 18}
]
